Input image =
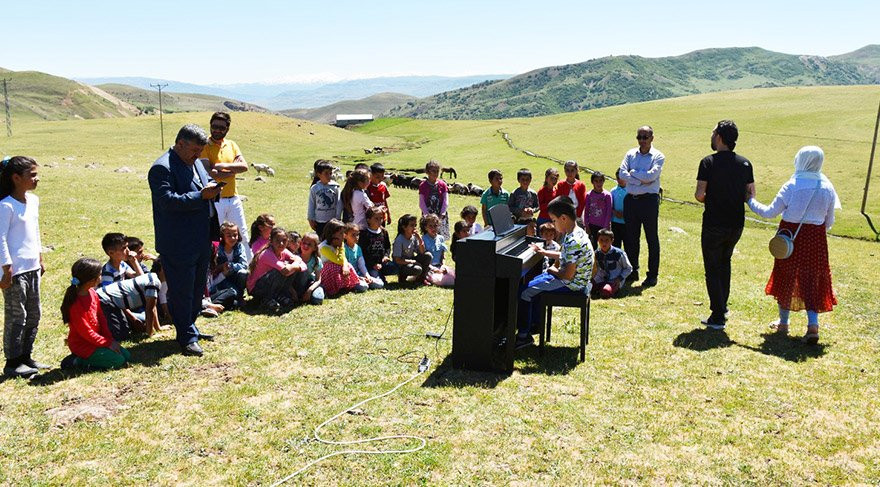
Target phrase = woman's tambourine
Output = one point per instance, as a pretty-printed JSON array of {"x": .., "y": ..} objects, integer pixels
[{"x": 782, "y": 244}]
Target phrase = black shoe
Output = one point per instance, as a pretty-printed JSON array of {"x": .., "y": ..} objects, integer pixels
[
  {"x": 69, "y": 362},
  {"x": 193, "y": 350},
  {"x": 714, "y": 325},
  {"x": 207, "y": 338},
  {"x": 649, "y": 282},
  {"x": 35, "y": 365},
  {"x": 713, "y": 319},
  {"x": 523, "y": 342},
  {"x": 634, "y": 277},
  {"x": 21, "y": 370}
]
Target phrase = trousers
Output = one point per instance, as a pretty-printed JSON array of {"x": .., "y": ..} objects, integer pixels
[
  {"x": 21, "y": 306},
  {"x": 717, "y": 244},
  {"x": 638, "y": 212}
]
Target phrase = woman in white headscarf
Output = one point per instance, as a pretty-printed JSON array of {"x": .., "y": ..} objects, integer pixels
[{"x": 803, "y": 280}]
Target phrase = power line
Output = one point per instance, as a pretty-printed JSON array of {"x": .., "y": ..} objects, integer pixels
[
  {"x": 159, "y": 87},
  {"x": 6, "y": 102}
]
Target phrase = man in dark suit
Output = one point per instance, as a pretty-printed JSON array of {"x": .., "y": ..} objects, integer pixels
[{"x": 182, "y": 194}]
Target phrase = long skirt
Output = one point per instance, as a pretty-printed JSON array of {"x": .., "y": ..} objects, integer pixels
[{"x": 803, "y": 280}]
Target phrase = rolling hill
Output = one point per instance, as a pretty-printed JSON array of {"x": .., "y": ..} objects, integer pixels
[
  {"x": 148, "y": 101},
  {"x": 616, "y": 80},
  {"x": 39, "y": 96},
  {"x": 375, "y": 104}
]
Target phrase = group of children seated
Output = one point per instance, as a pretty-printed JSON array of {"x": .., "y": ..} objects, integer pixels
[{"x": 347, "y": 249}]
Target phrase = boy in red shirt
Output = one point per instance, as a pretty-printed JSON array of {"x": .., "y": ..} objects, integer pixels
[{"x": 377, "y": 190}]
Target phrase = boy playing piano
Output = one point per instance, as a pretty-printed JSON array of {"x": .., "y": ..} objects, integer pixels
[{"x": 573, "y": 273}]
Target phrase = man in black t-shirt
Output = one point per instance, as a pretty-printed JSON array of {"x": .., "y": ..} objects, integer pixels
[{"x": 724, "y": 183}]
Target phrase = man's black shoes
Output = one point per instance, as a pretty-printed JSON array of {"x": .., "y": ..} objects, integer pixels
[{"x": 193, "y": 350}]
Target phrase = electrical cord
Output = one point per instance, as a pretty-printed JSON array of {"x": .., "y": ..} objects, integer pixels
[{"x": 424, "y": 364}]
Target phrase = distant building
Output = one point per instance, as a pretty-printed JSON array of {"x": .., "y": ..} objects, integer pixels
[{"x": 344, "y": 120}]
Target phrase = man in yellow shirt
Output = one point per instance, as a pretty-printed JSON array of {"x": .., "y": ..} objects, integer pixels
[{"x": 224, "y": 161}]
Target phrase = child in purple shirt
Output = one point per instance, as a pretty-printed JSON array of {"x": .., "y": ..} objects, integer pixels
[{"x": 598, "y": 210}]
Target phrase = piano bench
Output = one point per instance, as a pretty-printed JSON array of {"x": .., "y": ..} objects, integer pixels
[{"x": 565, "y": 300}]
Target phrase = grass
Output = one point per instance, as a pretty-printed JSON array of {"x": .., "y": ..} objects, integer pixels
[{"x": 658, "y": 400}]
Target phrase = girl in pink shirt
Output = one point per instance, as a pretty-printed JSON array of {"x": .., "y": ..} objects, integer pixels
[{"x": 273, "y": 272}]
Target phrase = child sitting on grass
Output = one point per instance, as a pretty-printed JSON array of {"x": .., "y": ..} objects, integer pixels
[
  {"x": 408, "y": 252},
  {"x": 469, "y": 215},
  {"x": 376, "y": 246},
  {"x": 231, "y": 271},
  {"x": 435, "y": 244},
  {"x": 337, "y": 274},
  {"x": 121, "y": 264},
  {"x": 612, "y": 266},
  {"x": 355, "y": 256},
  {"x": 573, "y": 273},
  {"x": 260, "y": 230},
  {"x": 88, "y": 338},
  {"x": 548, "y": 234},
  {"x": 310, "y": 280},
  {"x": 273, "y": 272},
  {"x": 136, "y": 246}
]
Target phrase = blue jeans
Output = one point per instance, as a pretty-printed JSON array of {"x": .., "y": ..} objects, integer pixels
[{"x": 530, "y": 300}]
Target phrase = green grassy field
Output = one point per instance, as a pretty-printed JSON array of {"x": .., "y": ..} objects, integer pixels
[{"x": 658, "y": 399}]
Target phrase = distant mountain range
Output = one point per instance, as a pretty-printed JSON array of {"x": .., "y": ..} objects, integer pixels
[
  {"x": 307, "y": 95},
  {"x": 374, "y": 105},
  {"x": 147, "y": 101},
  {"x": 616, "y": 80}
]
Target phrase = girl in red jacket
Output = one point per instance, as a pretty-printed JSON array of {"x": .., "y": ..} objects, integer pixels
[
  {"x": 574, "y": 189},
  {"x": 89, "y": 338}
]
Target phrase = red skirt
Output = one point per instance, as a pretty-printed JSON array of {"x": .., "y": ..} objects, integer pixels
[
  {"x": 803, "y": 281},
  {"x": 334, "y": 281}
]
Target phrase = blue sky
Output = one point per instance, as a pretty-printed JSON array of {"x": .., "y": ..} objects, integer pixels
[{"x": 227, "y": 42}]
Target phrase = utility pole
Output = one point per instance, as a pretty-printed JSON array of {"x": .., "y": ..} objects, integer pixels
[
  {"x": 6, "y": 102},
  {"x": 159, "y": 87}
]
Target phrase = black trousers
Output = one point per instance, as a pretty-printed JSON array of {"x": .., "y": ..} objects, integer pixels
[
  {"x": 718, "y": 244},
  {"x": 619, "y": 230},
  {"x": 642, "y": 211}
]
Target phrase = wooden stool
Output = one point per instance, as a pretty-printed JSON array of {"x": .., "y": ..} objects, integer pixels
[{"x": 574, "y": 299}]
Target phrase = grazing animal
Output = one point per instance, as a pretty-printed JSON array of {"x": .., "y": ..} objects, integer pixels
[
  {"x": 450, "y": 170},
  {"x": 416, "y": 182},
  {"x": 387, "y": 180},
  {"x": 378, "y": 150},
  {"x": 263, "y": 168},
  {"x": 367, "y": 151},
  {"x": 459, "y": 188},
  {"x": 474, "y": 189}
]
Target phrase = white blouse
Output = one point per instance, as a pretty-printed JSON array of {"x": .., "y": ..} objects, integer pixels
[{"x": 812, "y": 200}]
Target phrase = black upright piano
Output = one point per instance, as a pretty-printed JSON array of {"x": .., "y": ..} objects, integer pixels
[{"x": 488, "y": 271}]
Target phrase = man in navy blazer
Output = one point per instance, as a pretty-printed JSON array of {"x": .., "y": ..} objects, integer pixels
[{"x": 182, "y": 194}]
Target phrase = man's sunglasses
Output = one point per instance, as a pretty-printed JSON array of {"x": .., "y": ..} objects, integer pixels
[
  {"x": 218, "y": 127},
  {"x": 643, "y": 137}
]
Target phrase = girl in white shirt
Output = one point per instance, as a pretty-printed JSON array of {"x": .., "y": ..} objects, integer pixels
[
  {"x": 22, "y": 264},
  {"x": 355, "y": 201},
  {"x": 803, "y": 280}
]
